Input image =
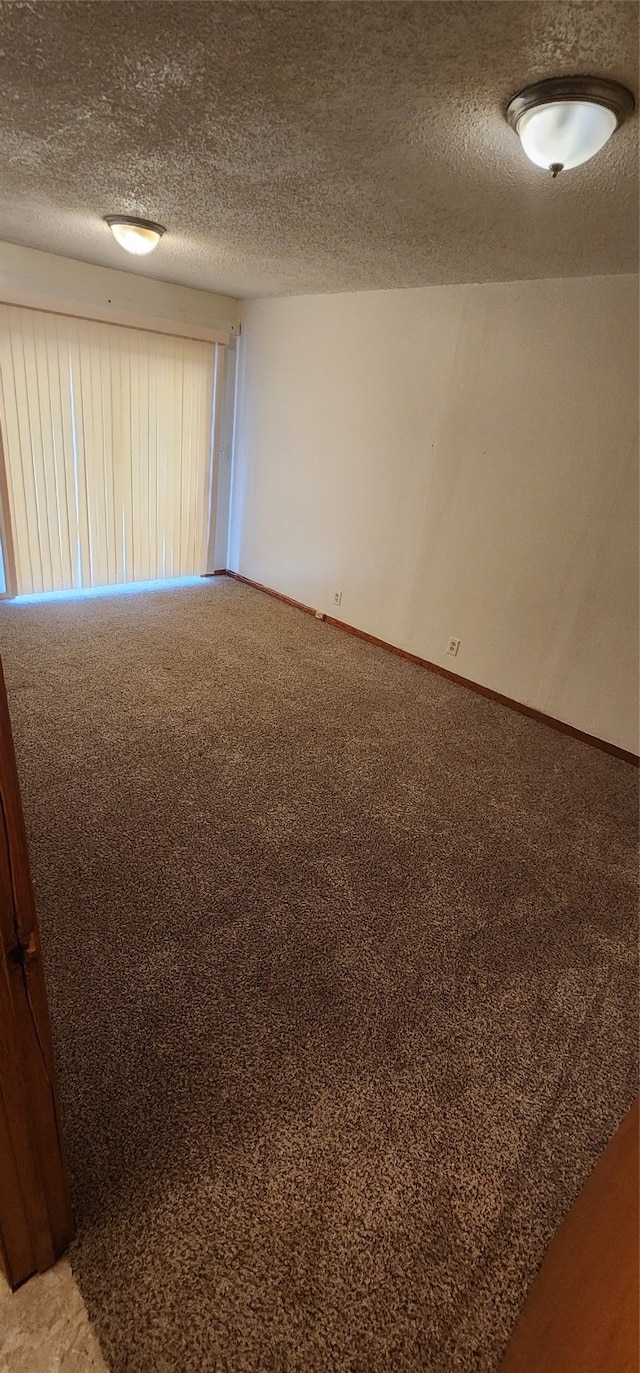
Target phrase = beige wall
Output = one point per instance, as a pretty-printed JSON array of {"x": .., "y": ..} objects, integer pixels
[
  {"x": 26, "y": 271},
  {"x": 458, "y": 461}
]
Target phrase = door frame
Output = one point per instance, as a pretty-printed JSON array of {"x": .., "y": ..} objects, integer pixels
[{"x": 36, "y": 1222}]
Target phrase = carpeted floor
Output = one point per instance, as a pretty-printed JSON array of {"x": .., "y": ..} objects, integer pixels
[{"x": 341, "y": 970}]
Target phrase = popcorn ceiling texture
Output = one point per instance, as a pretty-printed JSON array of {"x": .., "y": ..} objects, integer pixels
[
  {"x": 310, "y": 147},
  {"x": 341, "y": 961}
]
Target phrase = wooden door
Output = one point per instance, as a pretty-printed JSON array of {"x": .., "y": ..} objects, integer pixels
[
  {"x": 35, "y": 1213},
  {"x": 582, "y": 1312}
]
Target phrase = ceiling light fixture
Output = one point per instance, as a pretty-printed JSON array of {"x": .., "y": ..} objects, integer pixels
[
  {"x": 137, "y": 236},
  {"x": 566, "y": 120}
]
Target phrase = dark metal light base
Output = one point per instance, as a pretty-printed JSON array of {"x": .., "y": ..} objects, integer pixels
[
  {"x": 597, "y": 90},
  {"x": 137, "y": 223}
]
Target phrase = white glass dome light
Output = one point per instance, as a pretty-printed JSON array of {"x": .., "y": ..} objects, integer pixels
[
  {"x": 139, "y": 236},
  {"x": 565, "y": 133},
  {"x": 563, "y": 122}
]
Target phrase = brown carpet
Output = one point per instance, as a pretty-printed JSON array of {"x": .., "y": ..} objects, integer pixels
[{"x": 341, "y": 970}]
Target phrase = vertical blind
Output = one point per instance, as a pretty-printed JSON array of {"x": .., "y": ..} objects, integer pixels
[{"x": 108, "y": 443}]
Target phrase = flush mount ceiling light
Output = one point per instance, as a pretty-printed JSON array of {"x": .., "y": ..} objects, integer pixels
[
  {"x": 138, "y": 236},
  {"x": 565, "y": 121}
]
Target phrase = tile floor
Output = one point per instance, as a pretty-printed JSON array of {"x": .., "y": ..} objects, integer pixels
[{"x": 44, "y": 1327}]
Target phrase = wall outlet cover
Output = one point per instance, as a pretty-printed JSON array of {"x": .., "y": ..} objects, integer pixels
[{"x": 453, "y": 646}]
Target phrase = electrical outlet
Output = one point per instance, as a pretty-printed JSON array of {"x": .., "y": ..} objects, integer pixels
[
  {"x": 453, "y": 646},
  {"x": 337, "y": 598}
]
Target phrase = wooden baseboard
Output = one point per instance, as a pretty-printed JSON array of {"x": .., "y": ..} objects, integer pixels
[
  {"x": 278, "y": 595},
  {"x": 492, "y": 695}
]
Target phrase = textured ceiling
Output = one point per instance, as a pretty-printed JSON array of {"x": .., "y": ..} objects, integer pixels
[{"x": 310, "y": 146}]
